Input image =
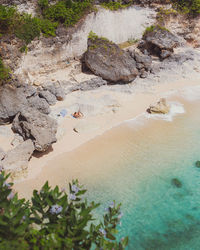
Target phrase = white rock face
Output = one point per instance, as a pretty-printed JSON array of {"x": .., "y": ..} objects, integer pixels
[{"x": 118, "y": 26}]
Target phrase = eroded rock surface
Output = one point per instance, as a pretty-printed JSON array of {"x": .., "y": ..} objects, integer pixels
[
  {"x": 159, "y": 42},
  {"x": 11, "y": 101},
  {"x": 161, "y": 107},
  {"x": 107, "y": 60},
  {"x": 34, "y": 125},
  {"x": 17, "y": 159}
]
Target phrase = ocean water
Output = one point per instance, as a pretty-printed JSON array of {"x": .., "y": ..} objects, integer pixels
[{"x": 138, "y": 171}]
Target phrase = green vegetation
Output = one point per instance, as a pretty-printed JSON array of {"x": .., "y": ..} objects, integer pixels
[
  {"x": 93, "y": 36},
  {"x": 128, "y": 43},
  {"x": 65, "y": 11},
  {"x": 187, "y": 6},
  {"x": 4, "y": 72},
  {"x": 24, "y": 26},
  {"x": 55, "y": 220},
  {"x": 153, "y": 28},
  {"x": 114, "y": 5}
]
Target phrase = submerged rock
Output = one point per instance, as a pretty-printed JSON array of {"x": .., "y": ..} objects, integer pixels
[
  {"x": 107, "y": 60},
  {"x": 161, "y": 107},
  {"x": 159, "y": 41},
  {"x": 176, "y": 182},
  {"x": 34, "y": 125},
  {"x": 17, "y": 159},
  {"x": 197, "y": 164}
]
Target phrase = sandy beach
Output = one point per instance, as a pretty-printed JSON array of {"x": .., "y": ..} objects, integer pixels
[{"x": 42, "y": 167}]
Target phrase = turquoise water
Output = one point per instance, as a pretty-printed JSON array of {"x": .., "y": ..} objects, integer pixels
[{"x": 157, "y": 214}]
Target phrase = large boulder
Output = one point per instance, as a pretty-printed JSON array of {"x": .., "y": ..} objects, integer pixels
[
  {"x": 34, "y": 125},
  {"x": 161, "y": 107},
  {"x": 16, "y": 160},
  {"x": 107, "y": 60},
  {"x": 159, "y": 41},
  {"x": 11, "y": 101}
]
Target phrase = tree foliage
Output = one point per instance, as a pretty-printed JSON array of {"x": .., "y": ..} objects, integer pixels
[{"x": 55, "y": 220}]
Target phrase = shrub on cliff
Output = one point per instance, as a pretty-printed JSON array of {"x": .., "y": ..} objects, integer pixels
[
  {"x": 55, "y": 220},
  {"x": 8, "y": 16},
  {"x": 65, "y": 11},
  {"x": 4, "y": 72},
  {"x": 188, "y": 6}
]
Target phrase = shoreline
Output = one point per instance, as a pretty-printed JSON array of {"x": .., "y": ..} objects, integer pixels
[{"x": 134, "y": 105}]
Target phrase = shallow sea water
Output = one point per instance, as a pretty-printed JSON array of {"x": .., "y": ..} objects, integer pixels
[{"x": 138, "y": 172}]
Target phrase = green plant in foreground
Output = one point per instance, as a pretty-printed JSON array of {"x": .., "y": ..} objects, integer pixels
[{"x": 55, "y": 220}]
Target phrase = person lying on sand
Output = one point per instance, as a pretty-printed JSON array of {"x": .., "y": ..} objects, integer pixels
[{"x": 77, "y": 114}]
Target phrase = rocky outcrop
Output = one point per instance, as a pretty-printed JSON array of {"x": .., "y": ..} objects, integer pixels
[
  {"x": 143, "y": 62},
  {"x": 34, "y": 125},
  {"x": 11, "y": 101},
  {"x": 107, "y": 60},
  {"x": 48, "y": 96},
  {"x": 161, "y": 107},
  {"x": 39, "y": 103},
  {"x": 91, "y": 84},
  {"x": 159, "y": 41},
  {"x": 56, "y": 90},
  {"x": 17, "y": 159}
]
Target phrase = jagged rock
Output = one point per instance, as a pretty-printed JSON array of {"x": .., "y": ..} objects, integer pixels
[
  {"x": 48, "y": 96},
  {"x": 17, "y": 159},
  {"x": 2, "y": 154},
  {"x": 158, "y": 41},
  {"x": 142, "y": 59},
  {"x": 56, "y": 90},
  {"x": 39, "y": 103},
  {"x": 107, "y": 60},
  {"x": 27, "y": 90},
  {"x": 11, "y": 101},
  {"x": 161, "y": 107},
  {"x": 93, "y": 83},
  {"x": 34, "y": 125}
]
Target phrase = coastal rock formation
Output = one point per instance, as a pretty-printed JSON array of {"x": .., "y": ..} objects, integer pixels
[
  {"x": 39, "y": 103},
  {"x": 48, "y": 96},
  {"x": 56, "y": 90},
  {"x": 91, "y": 84},
  {"x": 11, "y": 101},
  {"x": 107, "y": 60},
  {"x": 143, "y": 62},
  {"x": 161, "y": 107},
  {"x": 34, "y": 125},
  {"x": 17, "y": 159},
  {"x": 159, "y": 41}
]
